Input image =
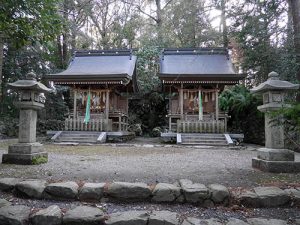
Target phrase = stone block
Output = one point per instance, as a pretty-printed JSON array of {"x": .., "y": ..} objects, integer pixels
[
  {"x": 195, "y": 221},
  {"x": 294, "y": 194},
  {"x": 64, "y": 190},
  {"x": 271, "y": 196},
  {"x": 234, "y": 221},
  {"x": 129, "y": 217},
  {"x": 129, "y": 191},
  {"x": 8, "y": 184},
  {"x": 14, "y": 215},
  {"x": 91, "y": 192},
  {"x": 249, "y": 199},
  {"x": 49, "y": 216},
  {"x": 193, "y": 192},
  {"x": 31, "y": 188},
  {"x": 164, "y": 192},
  {"x": 25, "y": 148},
  {"x": 84, "y": 215},
  {"x": 23, "y": 159},
  {"x": 276, "y": 166},
  {"x": 275, "y": 154},
  {"x": 261, "y": 221},
  {"x": 4, "y": 203},
  {"x": 163, "y": 218},
  {"x": 219, "y": 193}
]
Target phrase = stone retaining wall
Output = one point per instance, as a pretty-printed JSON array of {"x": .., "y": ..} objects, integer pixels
[
  {"x": 185, "y": 191},
  {"x": 86, "y": 215}
]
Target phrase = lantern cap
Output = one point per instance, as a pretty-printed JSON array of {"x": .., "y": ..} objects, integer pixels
[{"x": 274, "y": 84}]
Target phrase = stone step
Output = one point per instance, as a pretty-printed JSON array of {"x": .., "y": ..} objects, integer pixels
[
  {"x": 200, "y": 134},
  {"x": 204, "y": 141},
  {"x": 80, "y": 137},
  {"x": 75, "y": 140},
  {"x": 204, "y": 144},
  {"x": 203, "y": 138}
]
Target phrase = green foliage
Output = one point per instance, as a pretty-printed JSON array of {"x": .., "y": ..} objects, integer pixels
[
  {"x": 147, "y": 68},
  {"x": 242, "y": 107},
  {"x": 39, "y": 160},
  {"x": 27, "y": 21},
  {"x": 149, "y": 110}
]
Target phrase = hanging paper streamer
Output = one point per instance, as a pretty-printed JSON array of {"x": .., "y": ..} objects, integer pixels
[
  {"x": 205, "y": 97},
  {"x": 185, "y": 95},
  {"x": 88, "y": 108},
  {"x": 213, "y": 97},
  {"x": 200, "y": 107}
]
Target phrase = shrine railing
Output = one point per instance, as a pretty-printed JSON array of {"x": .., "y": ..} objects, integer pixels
[
  {"x": 78, "y": 124},
  {"x": 210, "y": 126}
]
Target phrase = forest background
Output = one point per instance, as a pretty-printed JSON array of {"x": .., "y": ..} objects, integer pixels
[{"x": 42, "y": 35}]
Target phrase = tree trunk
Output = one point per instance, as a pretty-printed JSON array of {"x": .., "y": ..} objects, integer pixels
[
  {"x": 295, "y": 10},
  {"x": 1, "y": 62},
  {"x": 159, "y": 20},
  {"x": 224, "y": 25}
]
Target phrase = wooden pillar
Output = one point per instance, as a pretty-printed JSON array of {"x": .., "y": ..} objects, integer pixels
[
  {"x": 181, "y": 101},
  {"x": 75, "y": 104}
]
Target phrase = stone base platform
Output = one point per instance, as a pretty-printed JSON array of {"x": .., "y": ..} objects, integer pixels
[
  {"x": 276, "y": 166},
  {"x": 25, "y": 154}
]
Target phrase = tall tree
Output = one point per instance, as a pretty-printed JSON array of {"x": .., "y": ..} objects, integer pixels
[
  {"x": 25, "y": 22},
  {"x": 295, "y": 11}
]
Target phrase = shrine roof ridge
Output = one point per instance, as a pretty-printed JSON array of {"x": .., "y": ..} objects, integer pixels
[
  {"x": 104, "y": 52},
  {"x": 195, "y": 51}
]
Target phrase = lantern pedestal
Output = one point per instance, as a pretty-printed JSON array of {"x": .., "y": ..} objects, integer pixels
[
  {"x": 31, "y": 99},
  {"x": 25, "y": 154},
  {"x": 274, "y": 157}
]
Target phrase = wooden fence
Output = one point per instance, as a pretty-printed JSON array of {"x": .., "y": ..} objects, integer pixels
[
  {"x": 212, "y": 126},
  {"x": 78, "y": 124}
]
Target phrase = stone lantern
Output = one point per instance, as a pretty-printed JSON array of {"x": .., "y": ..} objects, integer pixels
[
  {"x": 274, "y": 157},
  {"x": 31, "y": 99}
]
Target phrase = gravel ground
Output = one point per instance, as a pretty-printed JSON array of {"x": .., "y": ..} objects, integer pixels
[{"x": 148, "y": 164}]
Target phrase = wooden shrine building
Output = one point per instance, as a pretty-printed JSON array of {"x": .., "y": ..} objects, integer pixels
[
  {"x": 102, "y": 79},
  {"x": 192, "y": 80}
]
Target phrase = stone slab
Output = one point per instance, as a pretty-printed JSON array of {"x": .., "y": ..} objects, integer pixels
[
  {"x": 129, "y": 217},
  {"x": 22, "y": 159},
  {"x": 261, "y": 221},
  {"x": 249, "y": 199},
  {"x": 163, "y": 218},
  {"x": 8, "y": 184},
  {"x": 14, "y": 215},
  {"x": 193, "y": 192},
  {"x": 84, "y": 215},
  {"x": 49, "y": 216},
  {"x": 31, "y": 188},
  {"x": 271, "y": 196},
  {"x": 64, "y": 190},
  {"x": 164, "y": 192},
  {"x": 234, "y": 221},
  {"x": 195, "y": 221},
  {"x": 124, "y": 190},
  {"x": 270, "y": 154},
  {"x": 276, "y": 166},
  {"x": 91, "y": 192}
]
